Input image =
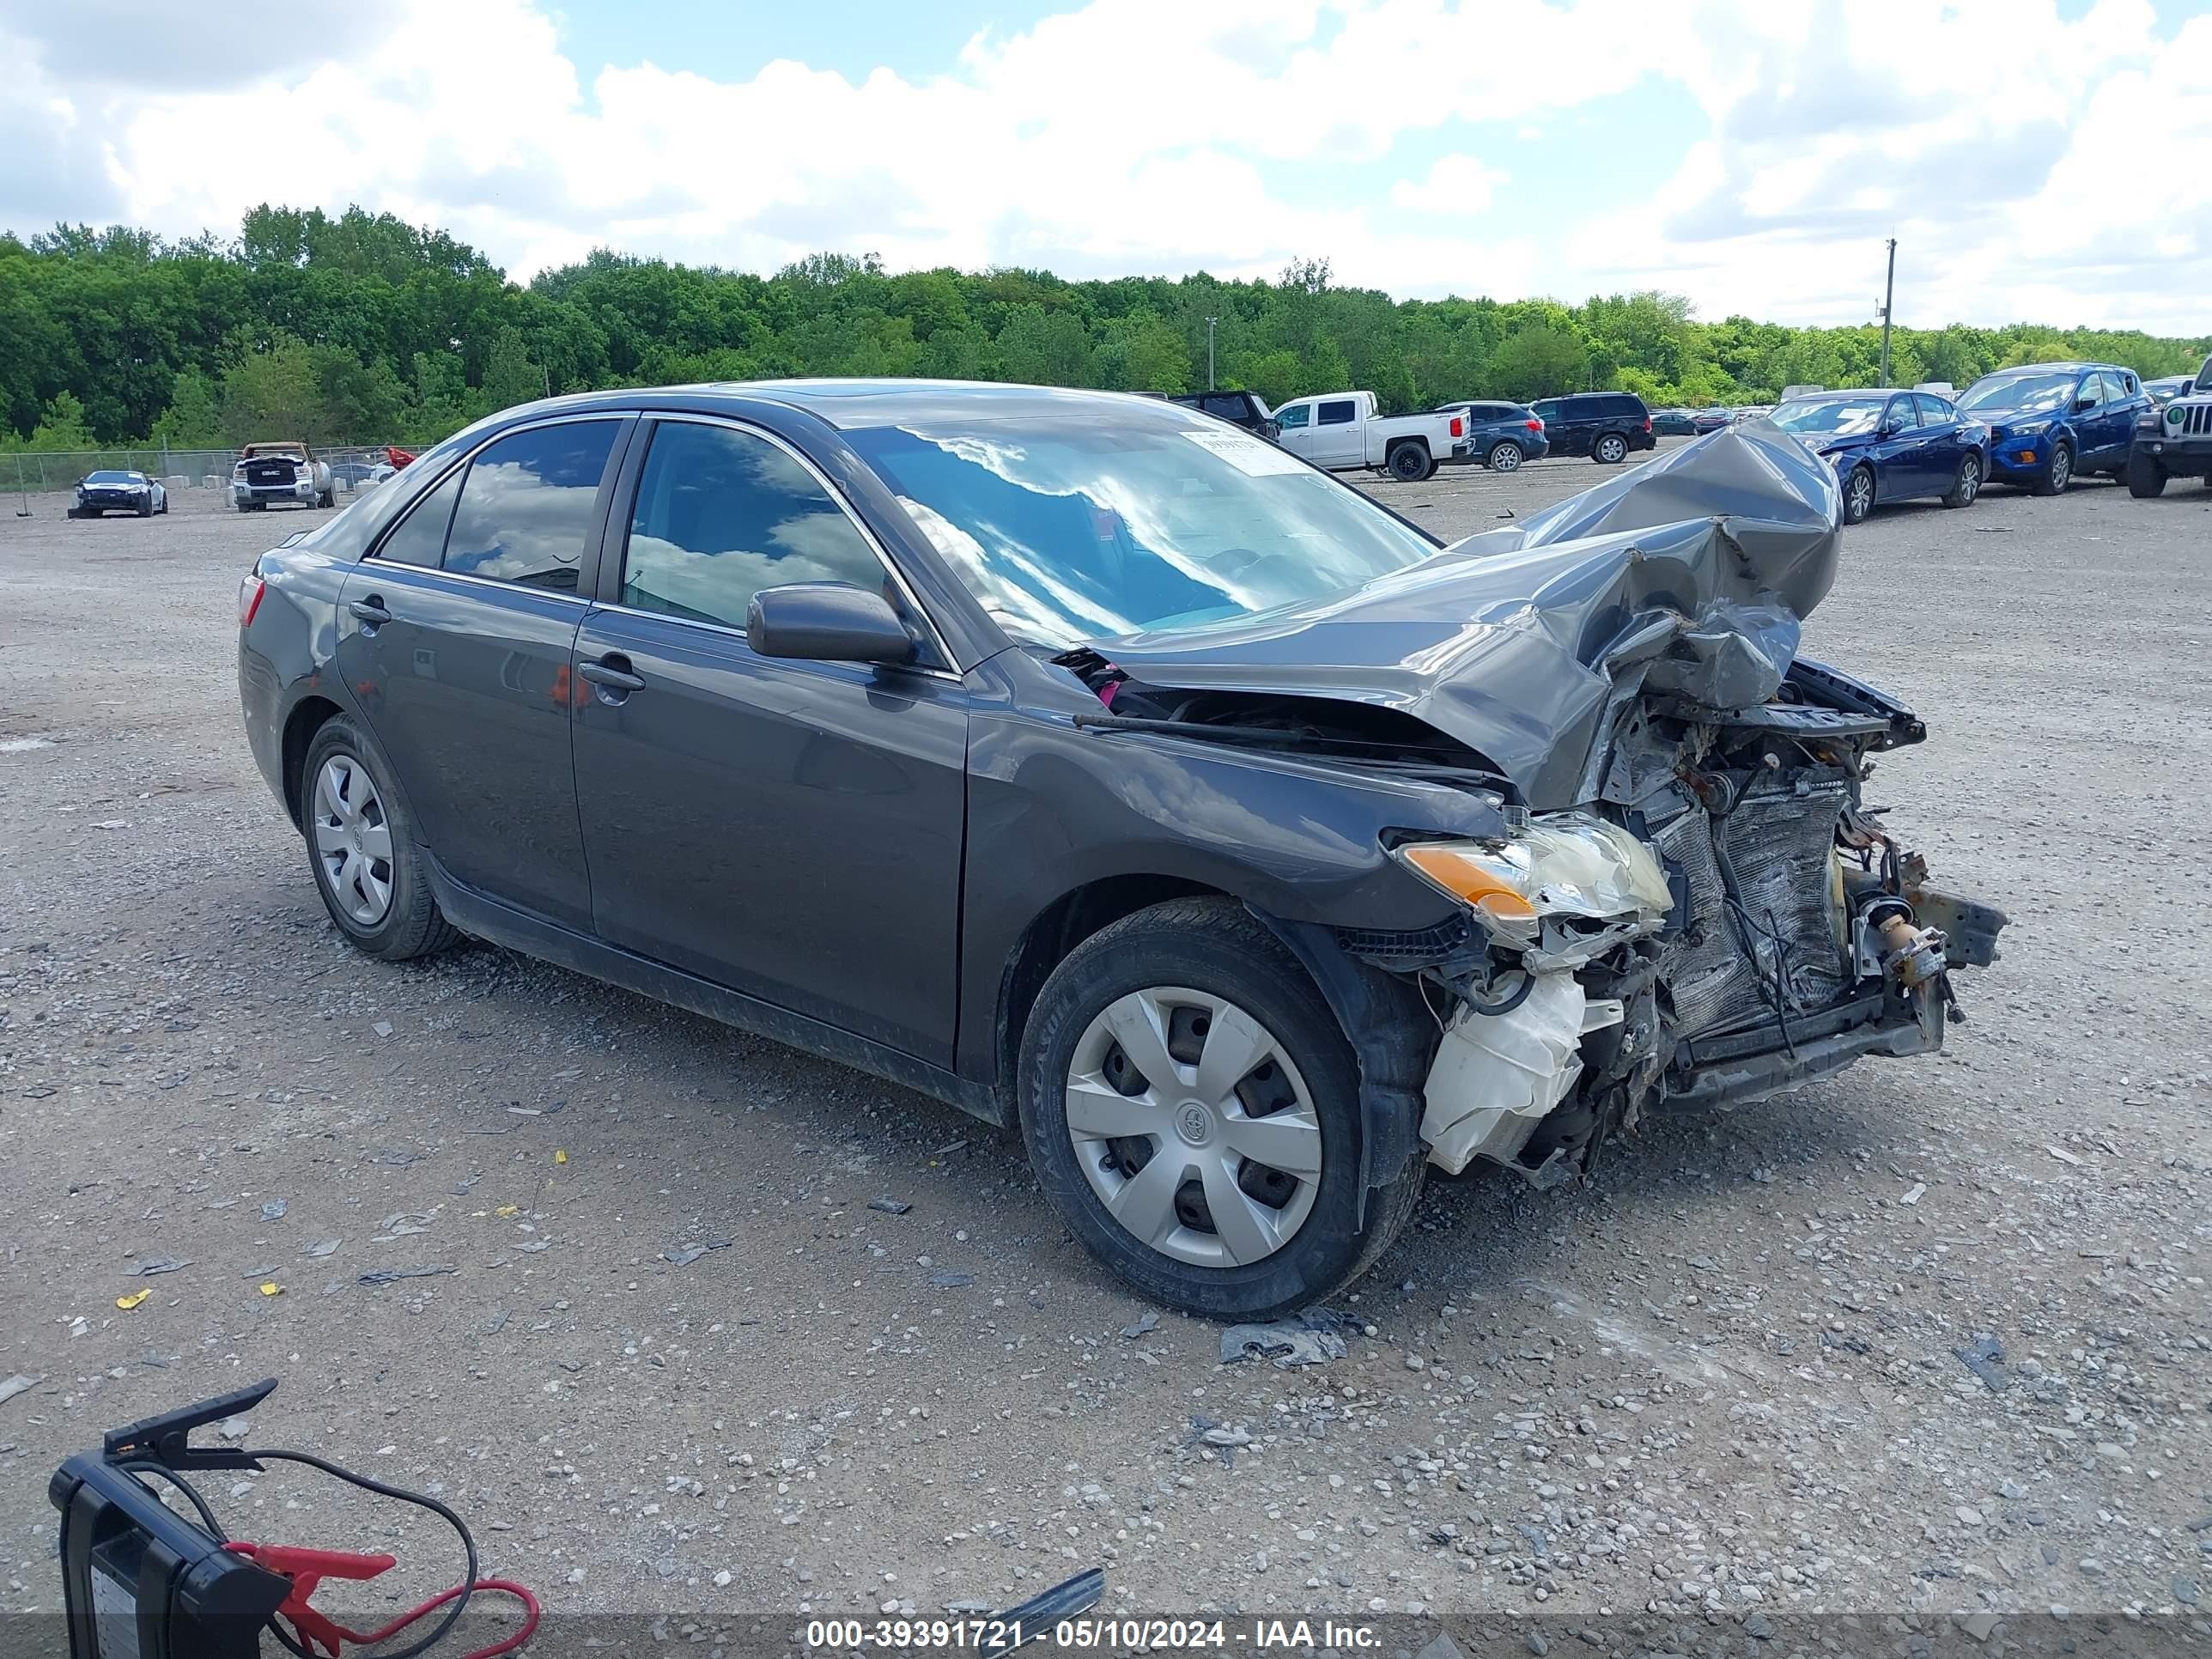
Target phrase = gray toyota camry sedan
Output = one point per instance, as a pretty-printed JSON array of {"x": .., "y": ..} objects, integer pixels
[{"x": 1106, "y": 771}]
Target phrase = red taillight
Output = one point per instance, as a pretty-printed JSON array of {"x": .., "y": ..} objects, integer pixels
[
  {"x": 249, "y": 599},
  {"x": 1457, "y": 431},
  {"x": 1535, "y": 425},
  {"x": 1647, "y": 423}
]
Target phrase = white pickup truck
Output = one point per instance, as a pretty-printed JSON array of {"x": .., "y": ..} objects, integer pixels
[{"x": 1341, "y": 432}]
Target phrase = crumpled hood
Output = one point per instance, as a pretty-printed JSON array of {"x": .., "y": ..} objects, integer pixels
[{"x": 1686, "y": 576}]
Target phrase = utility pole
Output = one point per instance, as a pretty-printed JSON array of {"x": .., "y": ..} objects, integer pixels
[
  {"x": 1209, "y": 351},
  {"x": 1888, "y": 302}
]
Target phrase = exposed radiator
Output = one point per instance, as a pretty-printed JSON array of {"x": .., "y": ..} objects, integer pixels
[{"x": 1778, "y": 840}]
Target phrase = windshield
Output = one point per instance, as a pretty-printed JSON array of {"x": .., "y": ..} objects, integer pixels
[
  {"x": 114, "y": 477},
  {"x": 2019, "y": 392},
  {"x": 1838, "y": 416},
  {"x": 1068, "y": 532}
]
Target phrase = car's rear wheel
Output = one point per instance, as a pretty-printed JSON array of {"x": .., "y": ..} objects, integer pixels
[
  {"x": 2060, "y": 473},
  {"x": 1967, "y": 484},
  {"x": 2146, "y": 477},
  {"x": 1859, "y": 495},
  {"x": 361, "y": 845},
  {"x": 1505, "y": 457},
  {"x": 1410, "y": 464},
  {"x": 1191, "y": 1107},
  {"x": 1611, "y": 451}
]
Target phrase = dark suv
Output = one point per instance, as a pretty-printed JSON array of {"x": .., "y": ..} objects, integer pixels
[
  {"x": 1503, "y": 435},
  {"x": 1602, "y": 425},
  {"x": 1242, "y": 408}
]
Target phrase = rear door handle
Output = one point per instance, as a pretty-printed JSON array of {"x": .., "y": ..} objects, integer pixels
[
  {"x": 370, "y": 611},
  {"x": 612, "y": 672}
]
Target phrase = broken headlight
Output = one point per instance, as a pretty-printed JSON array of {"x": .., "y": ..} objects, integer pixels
[{"x": 1564, "y": 864}]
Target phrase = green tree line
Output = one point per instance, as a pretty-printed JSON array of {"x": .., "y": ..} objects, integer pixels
[{"x": 361, "y": 328}]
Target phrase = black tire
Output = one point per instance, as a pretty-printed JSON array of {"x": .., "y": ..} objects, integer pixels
[
  {"x": 2057, "y": 471},
  {"x": 328, "y": 498},
  {"x": 146, "y": 511},
  {"x": 1216, "y": 947},
  {"x": 412, "y": 925},
  {"x": 1409, "y": 463},
  {"x": 245, "y": 506},
  {"x": 2146, "y": 477},
  {"x": 1610, "y": 450},
  {"x": 1858, "y": 499},
  {"x": 164, "y": 508},
  {"x": 74, "y": 512},
  {"x": 1968, "y": 484},
  {"x": 1504, "y": 456}
]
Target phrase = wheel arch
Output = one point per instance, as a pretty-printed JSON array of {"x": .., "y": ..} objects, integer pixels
[
  {"x": 1051, "y": 937},
  {"x": 308, "y": 716},
  {"x": 1390, "y": 1030}
]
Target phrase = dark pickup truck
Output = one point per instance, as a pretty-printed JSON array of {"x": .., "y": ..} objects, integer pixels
[{"x": 1243, "y": 408}]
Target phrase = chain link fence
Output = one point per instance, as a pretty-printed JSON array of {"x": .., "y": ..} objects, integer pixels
[{"x": 353, "y": 466}]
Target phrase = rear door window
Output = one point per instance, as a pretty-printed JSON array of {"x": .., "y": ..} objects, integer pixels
[
  {"x": 420, "y": 537},
  {"x": 1625, "y": 406},
  {"x": 1338, "y": 413},
  {"x": 526, "y": 505},
  {"x": 722, "y": 514},
  {"x": 1934, "y": 411}
]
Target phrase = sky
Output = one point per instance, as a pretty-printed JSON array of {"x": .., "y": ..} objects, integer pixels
[{"x": 2044, "y": 160}]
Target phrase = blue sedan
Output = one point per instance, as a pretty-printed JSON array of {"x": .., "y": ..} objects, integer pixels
[
  {"x": 1890, "y": 446},
  {"x": 2050, "y": 422}
]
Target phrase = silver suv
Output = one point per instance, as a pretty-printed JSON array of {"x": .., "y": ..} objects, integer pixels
[{"x": 2175, "y": 441}]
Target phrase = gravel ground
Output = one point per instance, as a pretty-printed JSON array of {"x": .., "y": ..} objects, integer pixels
[{"x": 1719, "y": 1383}]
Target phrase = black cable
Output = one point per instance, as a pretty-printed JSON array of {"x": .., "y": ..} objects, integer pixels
[
  {"x": 207, "y": 1515},
  {"x": 421, "y": 1500}
]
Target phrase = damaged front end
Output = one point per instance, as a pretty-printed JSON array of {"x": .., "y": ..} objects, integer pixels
[{"x": 1690, "y": 904}]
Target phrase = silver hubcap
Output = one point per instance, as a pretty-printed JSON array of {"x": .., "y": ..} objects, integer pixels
[
  {"x": 353, "y": 841},
  {"x": 1193, "y": 1127},
  {"x": 1970, "y": 478},
  {"x": 1611, "y": 449},
  {"x": 1862, "y": 495},
  {"x": 2061, "y": 467},
  {"x": 1505, "y": 458}
]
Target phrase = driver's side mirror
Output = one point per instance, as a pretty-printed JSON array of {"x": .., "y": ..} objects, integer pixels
[
  {"x": 2083, "y": 405},
  {"x": 827, "y": 621}
]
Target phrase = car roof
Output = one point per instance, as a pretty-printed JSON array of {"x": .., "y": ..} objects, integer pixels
[
  {"x": 1855, "y": 392},
  {"x": 2050, "y": 368},
  {"x": 856, "y": 404}
]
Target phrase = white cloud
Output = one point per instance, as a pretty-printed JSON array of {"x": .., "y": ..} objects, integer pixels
[
  {"x": 2017, "y": 189},
  {"x": 1456, "y": 185}
]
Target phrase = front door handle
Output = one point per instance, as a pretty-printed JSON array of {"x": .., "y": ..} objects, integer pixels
[
  {"x": 611, "y": 674},
  {"x": 370, "y": 611}
]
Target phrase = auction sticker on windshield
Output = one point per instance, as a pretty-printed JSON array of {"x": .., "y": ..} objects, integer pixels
[{"x": 1247, "y": 455}]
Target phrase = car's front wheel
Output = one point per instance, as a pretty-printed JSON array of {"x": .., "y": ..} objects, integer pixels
[
  {"x": 1191, "y": 1107},
  {"x": 1612, "y": 450},
  {"x": 2146, "y": 477},
  {"x": 1505, "y": 457},
  {"x": 360, "y": 844},
  {"x": 1859, "y": 495},
  {"x": 2060, "y": 473},
  {"x": 1967, "y": 484}
]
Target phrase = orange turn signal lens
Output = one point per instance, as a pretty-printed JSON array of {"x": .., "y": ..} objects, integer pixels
[{"x": 1462, "y": 871}]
